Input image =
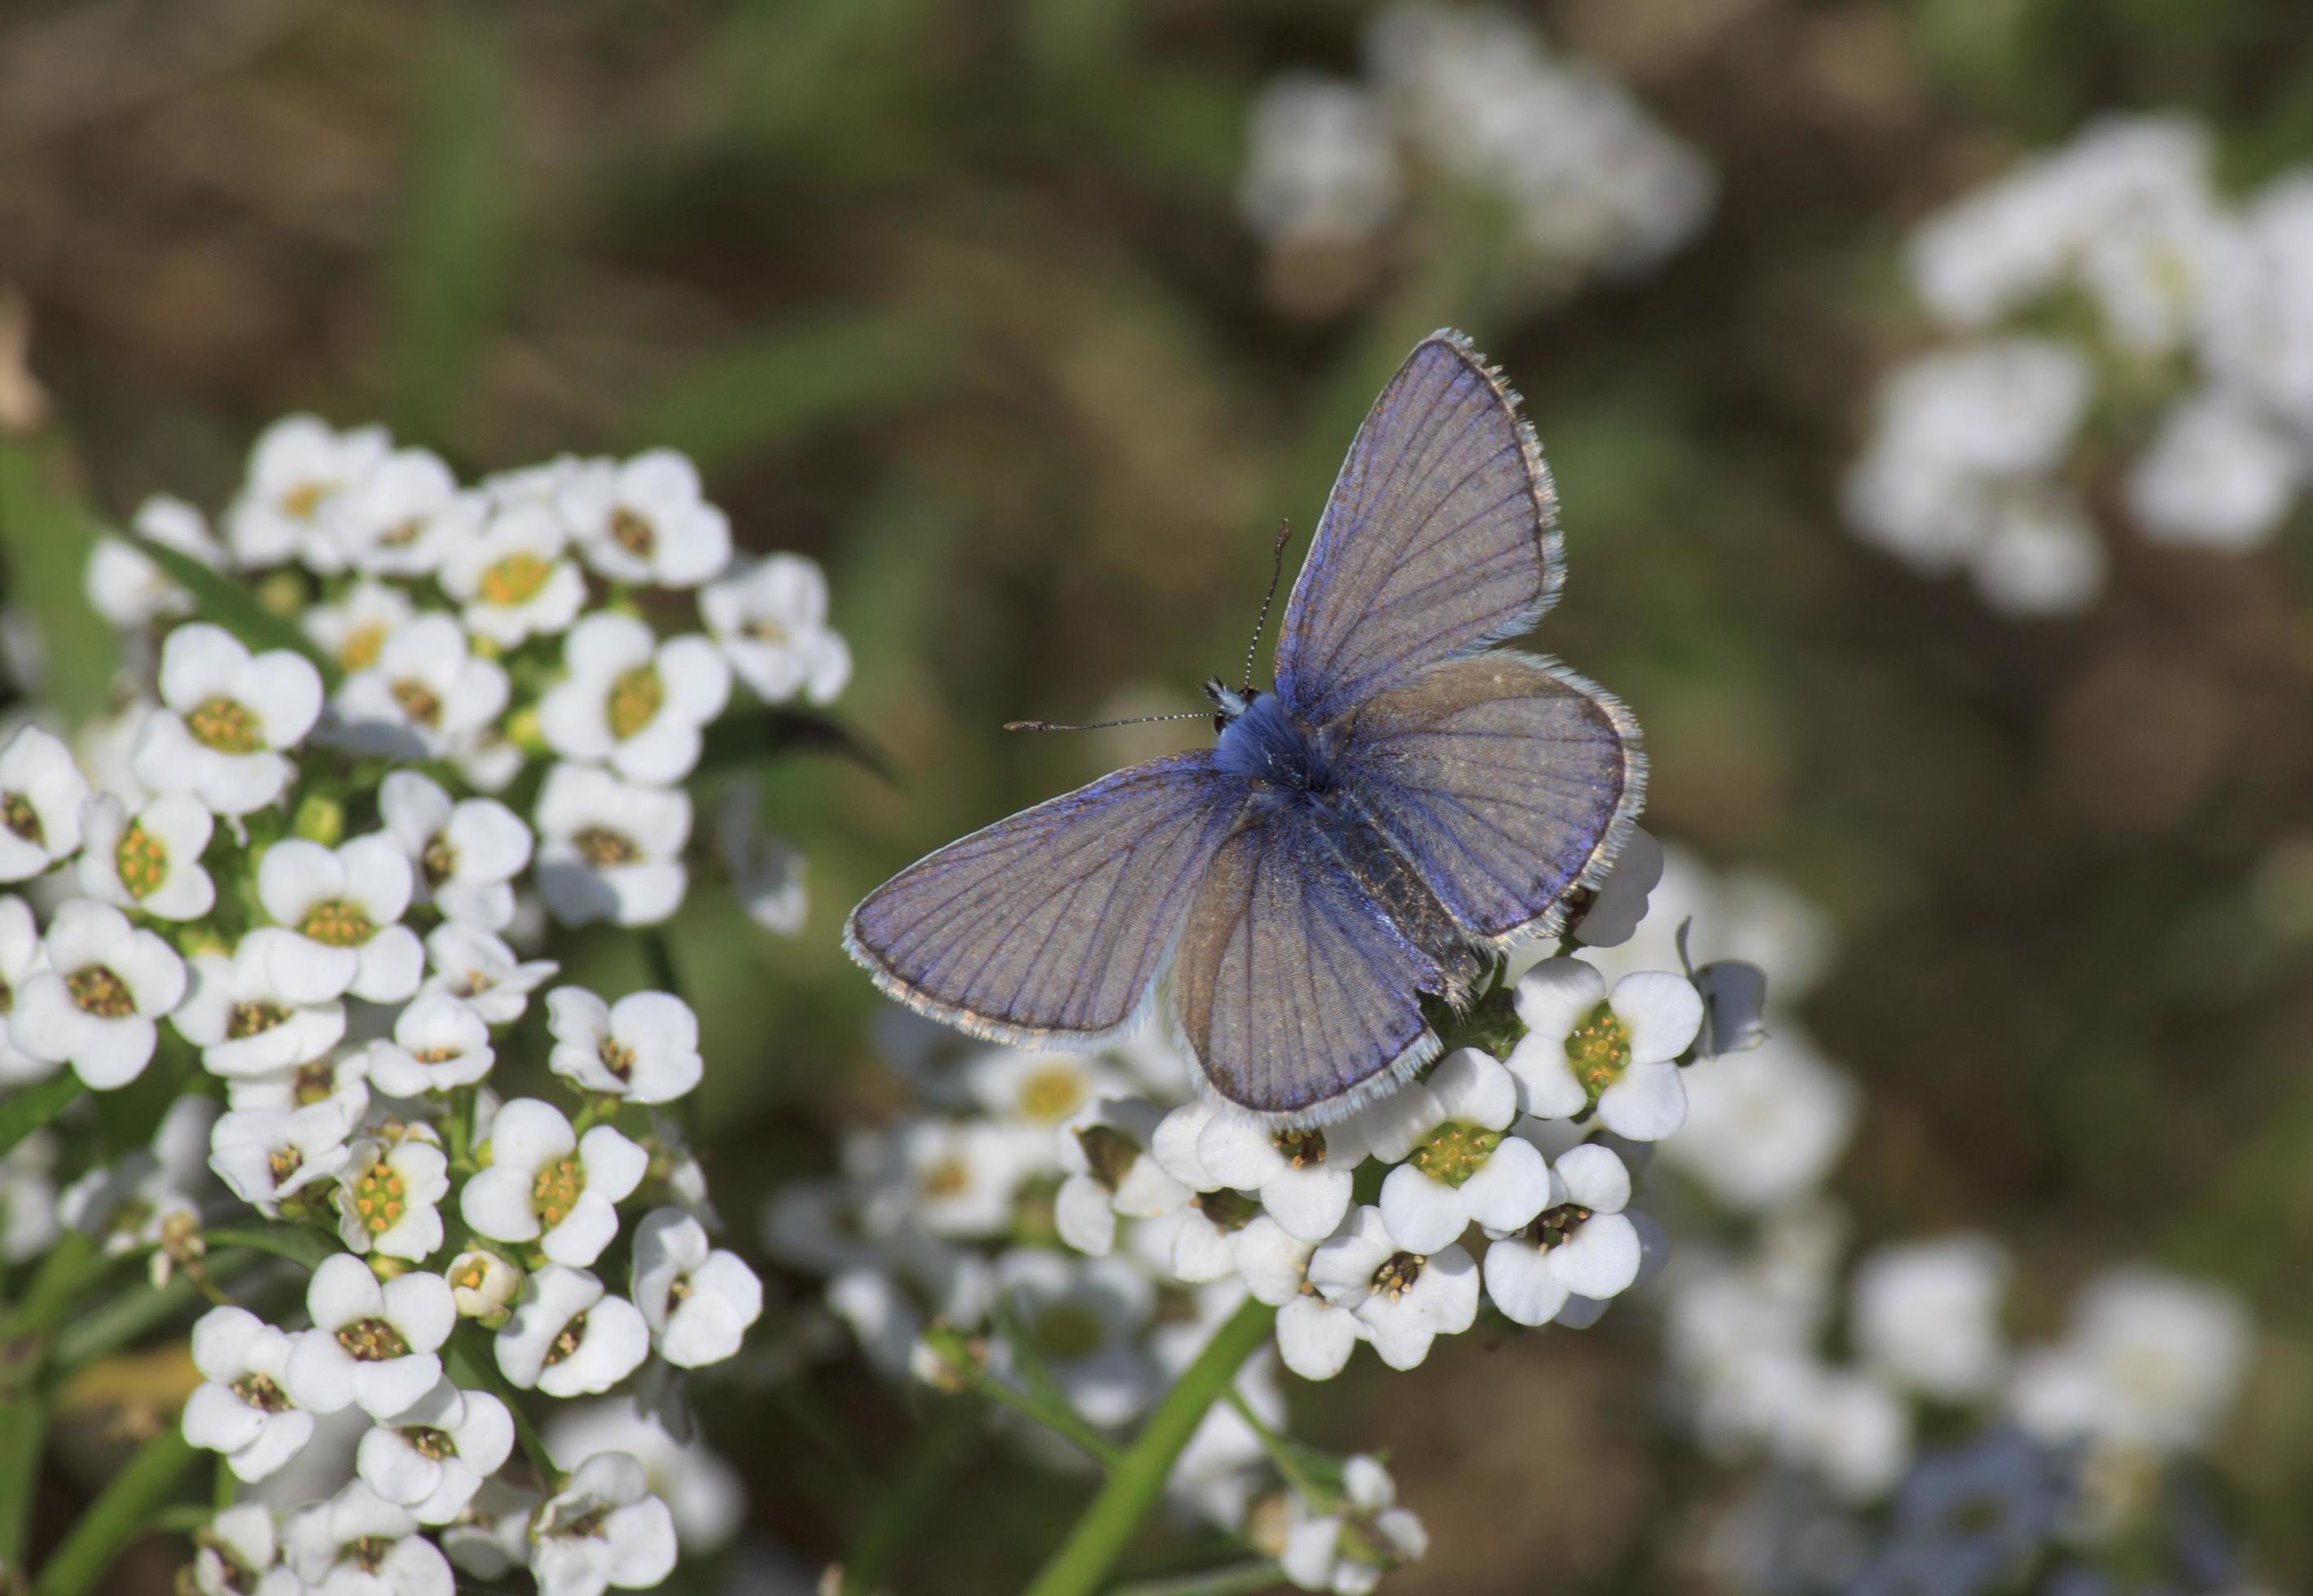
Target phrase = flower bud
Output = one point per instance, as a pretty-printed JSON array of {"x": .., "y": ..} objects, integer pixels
[{"x": 482, "y": 1285}]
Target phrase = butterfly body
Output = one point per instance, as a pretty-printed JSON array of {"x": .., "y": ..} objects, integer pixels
[{"x": 1407, "y": 804}]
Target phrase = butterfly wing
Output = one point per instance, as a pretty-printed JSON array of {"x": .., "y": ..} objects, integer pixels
[
  {"x": 1442, "y": 535},
  {"x": 1051, "y": 926},
  {"x": 1292, "y": 990},
  {"x": 1508, "y": 782}
]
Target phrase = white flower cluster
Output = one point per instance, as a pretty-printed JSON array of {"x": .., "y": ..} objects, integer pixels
[
  {"x": 248, "y": 877},
  {"x": 1103, "y": 1220},
  {"x": 2112, "y": 311},
  {"x": 1594, "y": 184}
]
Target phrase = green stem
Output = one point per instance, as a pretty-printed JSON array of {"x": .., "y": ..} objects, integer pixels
[
  {"x": 1238, "y": 1579},
  {"x": 1288, "y": 1466},
  {"x": 1109, "y": 1519},
  {"x": 898, "y": 1514},
  {"x": 23, "y": 1439},
  {"x": 27, "y": 1109},
  {"x": 116, "y": 1515},
  {"x": 1063, "y": 1422}
]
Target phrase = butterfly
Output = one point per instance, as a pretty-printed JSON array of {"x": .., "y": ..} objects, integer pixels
[{"x": 1403, "y": 807}]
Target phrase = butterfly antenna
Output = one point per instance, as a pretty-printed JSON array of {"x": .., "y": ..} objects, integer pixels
[
  {"x": 1276, "y": 572},
  {"x": 1136, "y": 720}
]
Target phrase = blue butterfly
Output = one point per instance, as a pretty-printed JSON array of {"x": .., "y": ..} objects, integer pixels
[{"x": 1407, "y": 806}]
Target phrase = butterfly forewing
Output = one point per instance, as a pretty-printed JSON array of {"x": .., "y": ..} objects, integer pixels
[
  {"x": 1507, "y": 781},
  {"x": 1291, "y": 989},
  {"x": 1053, "y": 923},
  {"x": 1441, "y": 534}
]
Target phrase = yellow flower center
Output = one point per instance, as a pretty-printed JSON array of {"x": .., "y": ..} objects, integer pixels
[
  {"x": 219, "y": 722},
  {"x": 17, "y": 812},
  {"x": 420, "y": 702},
  {"x": 379, "y": 1198},
  {"x": 439, "y": 861},
  {"x": 284, "y": 1162},
  {"x": 372, "y": 1341},
  {"x": 246, "y": 1020},
  {"x": 1052, "y": 1092},
  {"x": 635, "y": 697},
  {"x": 361, "y": 647},
  {"x": 337, "y": 923},
  {"x": 602, "y": 847},
  {"x": 516, "y": 579},
  {"x": 300, "y": 501},
  {"x": 402, "y": 534},
  {"x": 142, "y": 861},
  {"x": 556, "y": 1190},
  {"x": 99, "y": 992},
  {"x": 617, "y": 1058},
  {"x": 766, "y": 631},
  {"x": 1455, "y": 1152},
  {"x": 1599, "y": 1050},
  {"x": 315, "y": 1081},
  {"x": 946, "y": 1178},
  {"x": 633, "y": 532}
]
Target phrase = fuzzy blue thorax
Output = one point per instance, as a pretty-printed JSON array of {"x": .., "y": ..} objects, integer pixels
[{"x": 1263, "y": 741}]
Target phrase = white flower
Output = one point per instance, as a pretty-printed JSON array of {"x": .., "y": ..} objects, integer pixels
[
  {"x": 426, "y": 697},
  {"x": 491, "y": 1538},
  {"x": 390, "y": 1194},
  {"x": 226, "y": 716},
  {"x": 2218, "y": 475},
  {"x": 1107, "y": 1172},
  {"x": 342, "y": 1078},
  {"x": 1345, "y": 1551},
  {"x": 28, "y": 1199},
  {"x": 2040, "y": 554},
  {"x": 2258, "y": 332},
  {"x": 41, "y": 790},
  {"x": 266, "y": 1009},
  {"x": 1321, "y": 165},
  {"x": 373, "y": 1343},
  {"x": 438, "y": 1043},
  {"x": 1585, "y": 1046},
  {"x": 606, "y": 1529},
  {"x": 150, "y": 860},
  {"x": 1460, "y": 1169},
  {"x": 1850, "y": 1431},
  {"x": 267, "y": 1154},
  {"x": 955, "y": 1177},
  {"x": 1927, "y": 1315},
  {"x": 20, "y": 955},
  {"x": 1315, "y": 1335},
  {"x": 644, "y": 1047},
  {"x": 1765, "y": 1125},
  {"x": 609, "y": 851},
  {"x": 345, "y": 905},
  {"x": 402, "y": 517},
  {"x": 1582, "y": 1244},
  {"x": 1620, "y": 903},
  {"x": 632, "y": 702},
  {"x": 567, "y": 1338},
  {"x": 644, "y": 520},
  {"x": 353, "y": 630},
  {"x": 297, "y": 466},
  {"x": 1302, "y": 1176},
  {"x": 698, "y": 1301},
  {"x": 464, "y": 855},
  {"x": 703, "y": 1491},
  {"x": 1086, "y": 1318},
  {"x": 94, "y": 1005},
  {"x": 546, "y": 1184},
  {"x": 514, "y": 577},
  {"x": 431, "y": 1457},
  {"x": 1405, "y": 1299},
  {"x": 2150, "y": 1360},
  {"x": 236, "y": 1555},
  {"x": 242, "y": 1408},
  {"x": 123, "y": 584},
  {"x": 482, "y": 1283},
  {"x": 481, "y": 971},
  {"x": 359, "y": 1544},
  {"x": 766, "y": 871},
  {"x": 771, "y": 620}
]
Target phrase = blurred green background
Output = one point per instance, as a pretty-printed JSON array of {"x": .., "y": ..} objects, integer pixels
[{"x": 954, "y": 297}]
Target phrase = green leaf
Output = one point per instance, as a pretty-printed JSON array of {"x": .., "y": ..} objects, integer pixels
[
  {"x": 739, "y": 740},
  {"x": 294, "y": 1242},
  {"x": 224, "y": 602},
  {"x": 114, "y": 1519},
  {"x": 26, "y": 1109},
  {"x": 46, "y": 534}
]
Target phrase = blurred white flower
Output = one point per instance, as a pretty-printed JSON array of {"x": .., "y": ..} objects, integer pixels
[
  {"x": 514, "y": 577},
  {"x": 357, "y": 1542},
  {"x": 438, "y": 1043},
  {"x": 766, "y": 871},
  {"x": 353, "y": 629},
  {"x": 644, "y": 1047},
  {"x": 94, "y": 1005},
  {"x": 478, "y": 969},
  {"x": 464, "y": 854},
  {"x": 149, "y": 860},
  {"x": 1321, "y": 163},
  {"x": 1347, "y": 1550},
  {"x": 1086, "y": 1318},
  {"x": 608, "y": 850},
  {"x": 1926, "y": 1315},
  {"x": 266, "y": 1009},
  {"x": 1765, "y": 1126},
  {"x": 297, "y": 467},
  {"x": 2150, "y": 1360},
  {"x": 770, "y": 619},
  {"x": 425, "y": 695},
  {"x": 344, "y": 906},
  {"x": 703, "y": 1493},
  {"x": 123, "y": 584},
  {"x": 2218, "y": 475},
  {"x": 401, "y": 517},
  {"x": 265, "y": 1155},
  {"x": 645, "y": 520},
  {"x": 1107, "y": 1172},
  {"x": 631, "y": 701},
  {"x": 2040, "y": 553},
  {"x": 226, "y": 716},
  {"x": 41, "y": 791}
]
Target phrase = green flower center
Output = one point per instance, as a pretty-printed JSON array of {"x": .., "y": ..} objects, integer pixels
[
  {"x": 617, "y": 1058},
  {"x": 1397, "y": 1273},
  {"x": 369, "y": 1553},
  {"x": 1455, "y": 1152},
  {"x": 16, "y": 812},
  {"x": 1599, "y": 1049},
  {"x": 633, "y": 532},
  {"x": 516, "y": 579},
  {"x": 949, "y": 1177},
  {"x": 1069, "y": 1330},
  {"x": 284, "y": 1162},
  {"x": 338, "y": 923},
  {"x": 260, "y": 1392},
  {"x": 379, "y": 1199},
  {"x": 372, "y": 1341},
  {"x": 1555, "y": 1227},
  {"x": 635, "y": 697},
  {"x": 1051, "y": 1093},
  {"x": 602, "y": 849},
  {"x": 556, "y": 1190},
  {"x": 420, "y": 702},
  {"x": 566, "y": 1344},
  {"x": 246, "y": 1020},
  {"x": 99, "y": 992},
  {"x": 314, "y": 1082},
  {"x": 439, "y": 861},
  {"x": 1109, "y": 1153},
  {"x": 429, "y": 1442},
  {"x": 219, "y": 722},
  {"x": 1300, "y": 1148},
  {"x": 142, "y": 861},
  {"x": 1228, "y": 1210},
  {"x": 678, "y": 1291},
  {"x": 402, "y": 534}
]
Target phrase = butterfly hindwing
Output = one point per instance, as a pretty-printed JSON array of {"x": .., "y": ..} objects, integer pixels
[
  {"x": 1442, "y": 535},
  {"x": 1507, "y": 781},
  {"x": 1054, "y": 924},
  {"x": 1291, "y": 989}
]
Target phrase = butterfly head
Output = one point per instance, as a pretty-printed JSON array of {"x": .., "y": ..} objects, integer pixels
[{"x": 1228, "y": 702}]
